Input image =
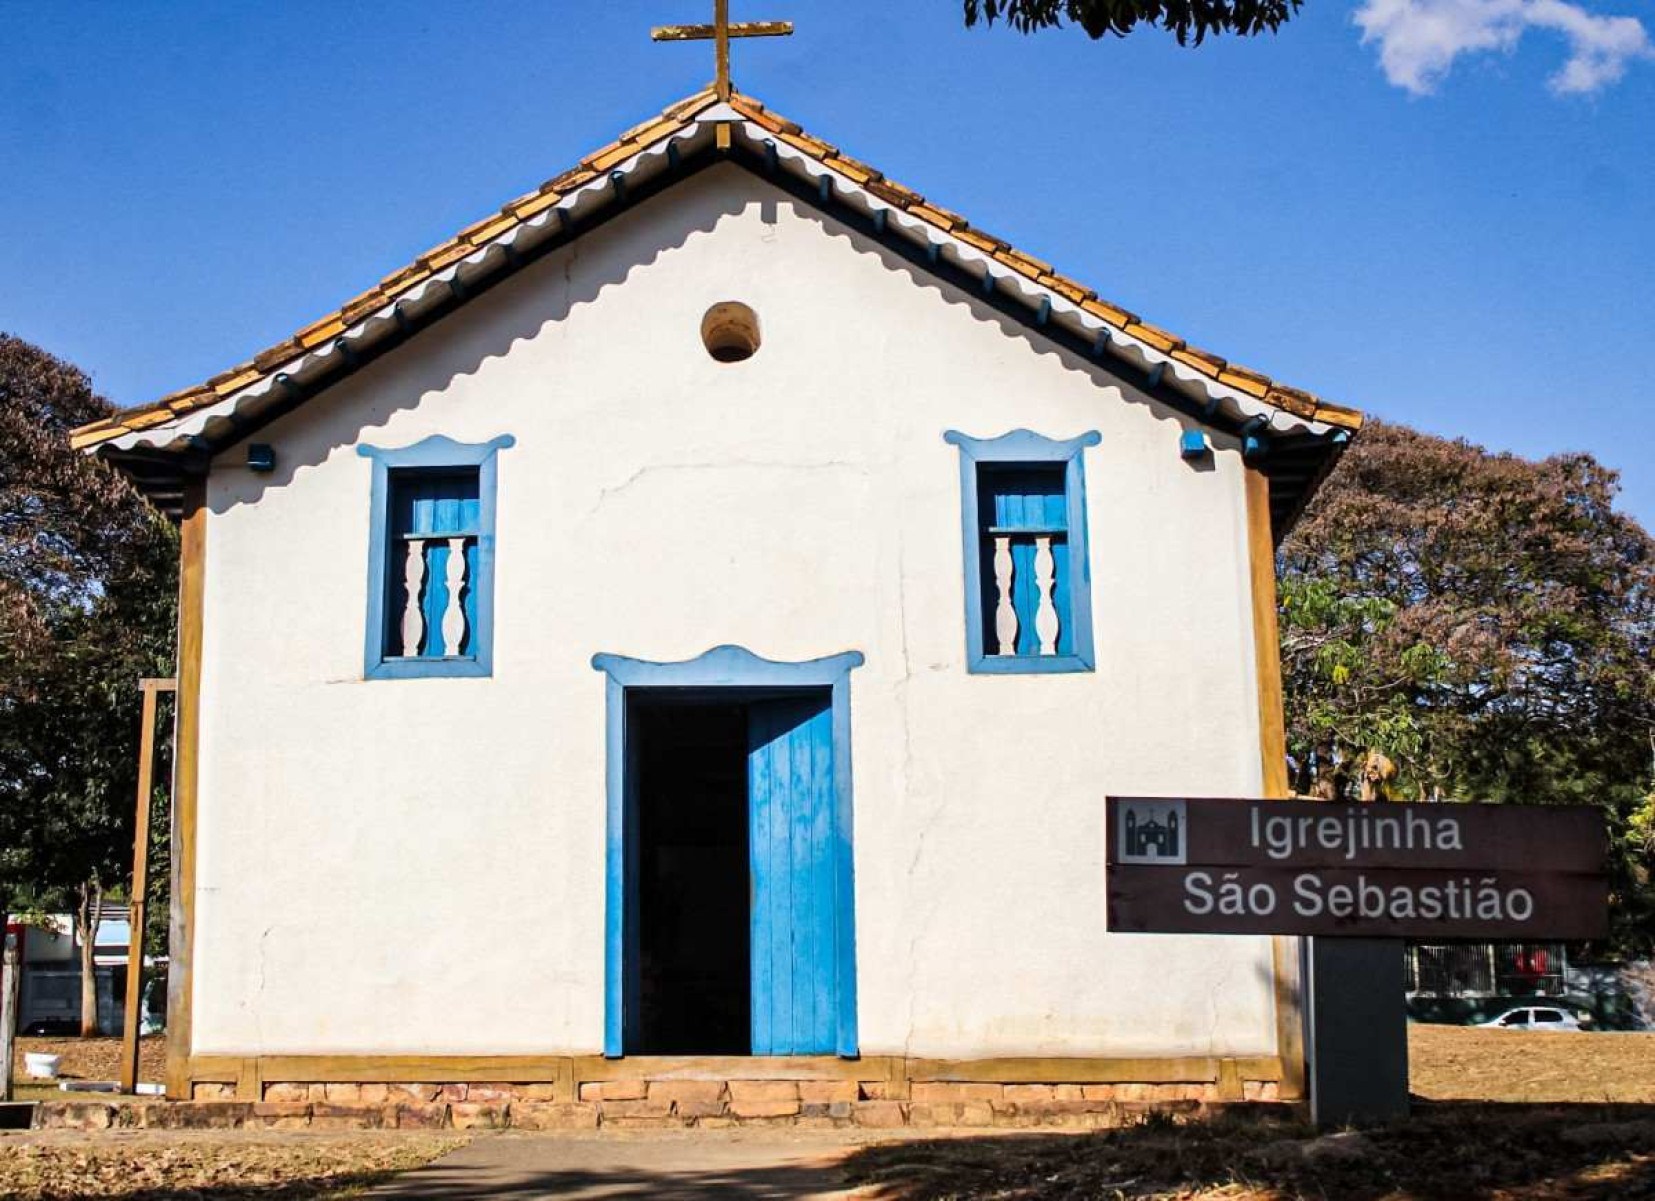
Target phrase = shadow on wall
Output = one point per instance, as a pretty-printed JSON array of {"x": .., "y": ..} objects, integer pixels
[{"x": 545, "y": 293}]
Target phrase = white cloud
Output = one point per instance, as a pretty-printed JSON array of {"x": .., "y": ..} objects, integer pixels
[{"x": 1420, "y": 39}]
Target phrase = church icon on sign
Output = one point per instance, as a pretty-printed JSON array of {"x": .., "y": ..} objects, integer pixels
[{"x": 1151, "y": 831}]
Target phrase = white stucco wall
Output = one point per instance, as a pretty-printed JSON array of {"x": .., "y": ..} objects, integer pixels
[{"x": 417, "y": 866}]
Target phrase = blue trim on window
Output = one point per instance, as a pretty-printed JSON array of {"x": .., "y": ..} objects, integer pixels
[
  {"x": 722, "y": 667},
  {"x": 433, "y": 452},
  {"x": 1025, "y": 446}
]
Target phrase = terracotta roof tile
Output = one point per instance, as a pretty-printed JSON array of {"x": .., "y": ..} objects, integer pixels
[
  {"x": 401, "y": 278},
  {"x": 1209, "y": 364},
  {"x": 936, "y": 215},
  {"x": 694, "y": 103},
  {"x": 892, "y": 192},
  {"x": 318, "y": 332},
  {"x": 859, "y": 171},
  {"x": 1160, "y": 339},
  {"x": 814, "y": 147},
  {"x": 533, "y": 203},
  {"x": 652, "y": 131},
  {"x": 1114, "y": 314},
  {"x": 145, "y": 418},
  {"x": 770, "y": 121},
  {"x": 269, "y": 358},
  {"x": 363, "y": 306},
  {"x": 672, "y": 120},
  {"x": 1027, "y": 264},
  {"x": 1293, "y": 400},
  {"x": 444, "y": 255},
  {"x": 1066, "y": 287},
  {"x": 610, "y": 156},
  {"x": 488, "y": 228},
  {"x": 977, "y": 238},
  {"x": 570, "y": 179},
  {"x": 236, "y": 378},
  {"x": 1339, "y": 414},
  {"x": 1246, "y": 381}
]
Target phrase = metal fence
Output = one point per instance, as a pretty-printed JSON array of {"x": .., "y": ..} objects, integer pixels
[{"x": 1488, "y": 969}]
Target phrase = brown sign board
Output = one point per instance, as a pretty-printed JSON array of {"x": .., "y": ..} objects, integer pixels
[{"x": 1188, "y": 865}]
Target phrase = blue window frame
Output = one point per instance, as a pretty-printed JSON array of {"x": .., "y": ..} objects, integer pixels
[
  {"x": 431, "y": 559},
  {"x": 1023, "y": 497}
]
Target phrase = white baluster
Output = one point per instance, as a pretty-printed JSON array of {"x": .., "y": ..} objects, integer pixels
[
  {"x": 1005, "y": 617},
  {"x": 453, "y": 618},
  {"x": 413, "y": 575},
  {"x": 1045, "y": 614}
]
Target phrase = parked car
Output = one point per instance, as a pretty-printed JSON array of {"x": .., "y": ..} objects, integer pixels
[{"x": 1537, "y": 1017}]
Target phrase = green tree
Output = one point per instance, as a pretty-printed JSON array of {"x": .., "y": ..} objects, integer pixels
[
  {"x": 87, "y": 586},
  {"x": 1488, "y": 623},
  {"x": 1185, "y": 19}
]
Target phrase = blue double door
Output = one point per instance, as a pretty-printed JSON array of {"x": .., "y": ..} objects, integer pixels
[{"x": 716, "y": 775}]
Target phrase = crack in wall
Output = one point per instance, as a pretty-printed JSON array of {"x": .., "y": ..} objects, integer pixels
[{"x": 611, "y": 490}]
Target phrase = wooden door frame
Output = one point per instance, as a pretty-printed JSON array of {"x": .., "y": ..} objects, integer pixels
[{"x": 737, "y": 668}]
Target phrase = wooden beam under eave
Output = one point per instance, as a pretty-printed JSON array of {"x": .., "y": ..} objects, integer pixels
[
  {"x": 1284, "y": 951},
  {"x": 192, "y": 548}
]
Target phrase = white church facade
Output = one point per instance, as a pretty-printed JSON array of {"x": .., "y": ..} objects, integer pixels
[{"x": 726, "y": 585}]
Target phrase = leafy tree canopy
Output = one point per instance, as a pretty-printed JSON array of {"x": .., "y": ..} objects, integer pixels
[
  {"x": 87, "y": 581},
  {"x": 1186, "y": 19},
  {"x": 1488, "y": 623}
]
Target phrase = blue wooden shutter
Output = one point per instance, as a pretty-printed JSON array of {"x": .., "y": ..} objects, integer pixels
[
  {"x": 1023, "y": 501},
  {"x": 436, "y": 505},
  {"x": 790, "y": 792}
]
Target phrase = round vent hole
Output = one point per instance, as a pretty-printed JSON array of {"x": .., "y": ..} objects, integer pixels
[{"x": 730, "y": 331}]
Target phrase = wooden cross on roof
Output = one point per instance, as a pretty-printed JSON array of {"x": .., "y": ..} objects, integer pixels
[{"x": 720, "y": 32}]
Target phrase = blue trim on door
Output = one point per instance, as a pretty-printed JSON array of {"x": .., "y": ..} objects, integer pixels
[
  {"x": 433, "y": 452},
  {"x": 1025, "y": 446},
  {"x": 722, "y": 667}
]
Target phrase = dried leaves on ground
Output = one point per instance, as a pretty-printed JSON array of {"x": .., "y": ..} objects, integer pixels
[
  {"x": 1502, "y": 1116},
  {"x": 1446, "y": 1153},
  {"x": 207, "y": 1165}
]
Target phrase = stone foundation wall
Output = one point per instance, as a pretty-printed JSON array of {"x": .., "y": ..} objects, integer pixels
[{"x": 624, "y": 1104}]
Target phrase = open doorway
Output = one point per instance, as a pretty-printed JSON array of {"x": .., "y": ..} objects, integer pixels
[
  {"x": 694, "y": 977},
  {"x": 730, "y": 921}
]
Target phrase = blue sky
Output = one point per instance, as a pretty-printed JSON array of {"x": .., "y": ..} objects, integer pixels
[{"x": 1452, "y": 225}]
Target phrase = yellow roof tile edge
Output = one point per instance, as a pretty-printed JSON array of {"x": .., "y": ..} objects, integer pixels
[{"x": 672, "y": 120}]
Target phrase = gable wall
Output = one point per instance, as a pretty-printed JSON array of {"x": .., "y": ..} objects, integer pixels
[{"x": 417, "y": 866}]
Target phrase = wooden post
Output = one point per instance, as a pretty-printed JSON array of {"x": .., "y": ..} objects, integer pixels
[
  {"x": 11, "y": 977},
  {"x": 138, "y": 908},
  {"x": 1286, "y": 953}
]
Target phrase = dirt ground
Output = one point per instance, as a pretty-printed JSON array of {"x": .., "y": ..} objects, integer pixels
[
  {"x": 84, "y": 1059},
  {"x": 1456, "y": 1063},
  {"x": 96, "y": 1058},
  {"x": 205, "y": 1165}
]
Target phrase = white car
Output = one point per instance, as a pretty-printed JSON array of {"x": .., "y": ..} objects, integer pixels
[{"x": 1536, "y": 1017}]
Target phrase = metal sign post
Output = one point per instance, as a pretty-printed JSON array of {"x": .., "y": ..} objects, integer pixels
[
  {"x": 1356, "y": 879},
  {"x": 1356, "y": 1019}
]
